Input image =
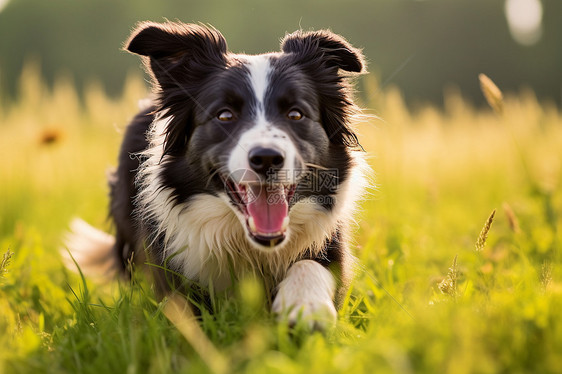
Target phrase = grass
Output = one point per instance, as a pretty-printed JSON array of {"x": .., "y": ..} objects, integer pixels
[{"x": 425, "y": 300}]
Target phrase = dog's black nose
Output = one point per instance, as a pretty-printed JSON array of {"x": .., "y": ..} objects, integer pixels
[{"x": 263, "y": 160}]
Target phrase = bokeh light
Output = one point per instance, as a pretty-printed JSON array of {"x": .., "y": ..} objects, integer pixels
[
  {"x": 524, "y": 18},
  {"x": 3, "y": 4}
]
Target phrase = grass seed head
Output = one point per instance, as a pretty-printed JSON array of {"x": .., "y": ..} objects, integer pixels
[
  {"x": 448, "y": 286},
  {"x": 492, "y": 93},
  {"x": 5, "y": 262},
  {"x": 546, "y": 274},
  {"x": 481, "y": 241}
]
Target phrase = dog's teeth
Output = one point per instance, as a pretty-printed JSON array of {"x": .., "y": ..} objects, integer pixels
[
  {"x": 285, "y": 223},
  {"x": 252, "y": 224}
]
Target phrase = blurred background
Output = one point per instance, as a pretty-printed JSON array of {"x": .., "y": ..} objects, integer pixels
[{"x": 423, "y": 47}]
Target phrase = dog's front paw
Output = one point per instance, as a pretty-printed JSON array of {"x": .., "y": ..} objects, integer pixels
[
  {"x": 306, "y": 294},
  {"x": 316, "y": 314}
]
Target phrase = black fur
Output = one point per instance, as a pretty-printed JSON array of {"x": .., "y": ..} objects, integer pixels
[{"x": 123, "y": 189}]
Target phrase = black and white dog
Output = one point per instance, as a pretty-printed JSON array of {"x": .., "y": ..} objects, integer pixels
[{"x": 241, "y": 165}]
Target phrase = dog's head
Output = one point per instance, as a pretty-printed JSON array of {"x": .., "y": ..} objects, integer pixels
[{"x": 263, "y": 132}]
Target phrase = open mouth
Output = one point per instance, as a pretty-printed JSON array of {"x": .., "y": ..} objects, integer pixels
[{"x": 265, "y": 207}]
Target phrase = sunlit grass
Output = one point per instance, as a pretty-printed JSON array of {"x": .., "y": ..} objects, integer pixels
[{"x": 424, "y": 299}]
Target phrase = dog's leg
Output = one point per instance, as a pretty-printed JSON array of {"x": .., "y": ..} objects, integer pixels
[{"x": 307, "y": 293}]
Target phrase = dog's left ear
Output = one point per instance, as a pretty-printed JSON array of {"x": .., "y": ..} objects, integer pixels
[{"x": 331, "y": 48}]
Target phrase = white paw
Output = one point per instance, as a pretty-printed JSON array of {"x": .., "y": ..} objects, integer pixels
[
  {"x": 317, "y": 315},
  {"x": 306, "y": 294}
]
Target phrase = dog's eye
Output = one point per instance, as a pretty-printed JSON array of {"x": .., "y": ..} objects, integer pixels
[
  {"x": 294, "y": 115},
  {"x": 225, "y": 116}
]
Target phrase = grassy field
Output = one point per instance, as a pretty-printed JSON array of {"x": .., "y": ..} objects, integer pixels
[{"x": 426, "y": 299}]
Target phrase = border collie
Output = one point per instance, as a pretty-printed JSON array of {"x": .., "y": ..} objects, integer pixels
[{"x": 240, "y": 165}]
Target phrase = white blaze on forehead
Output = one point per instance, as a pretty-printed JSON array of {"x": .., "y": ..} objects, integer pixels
[
  {"x": 259, "y": 67},
  {"x": 262, "y": 133}
]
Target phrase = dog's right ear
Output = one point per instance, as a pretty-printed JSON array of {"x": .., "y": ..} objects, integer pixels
[
  {"x": 173, "y": 45},
  {"x": 179, "y": 56}
]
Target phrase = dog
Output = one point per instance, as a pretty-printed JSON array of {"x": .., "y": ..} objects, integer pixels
[{"x": 241, "y": 164}]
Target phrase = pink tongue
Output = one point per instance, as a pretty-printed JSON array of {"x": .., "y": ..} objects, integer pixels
[{"x": 267, "y": 205}]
